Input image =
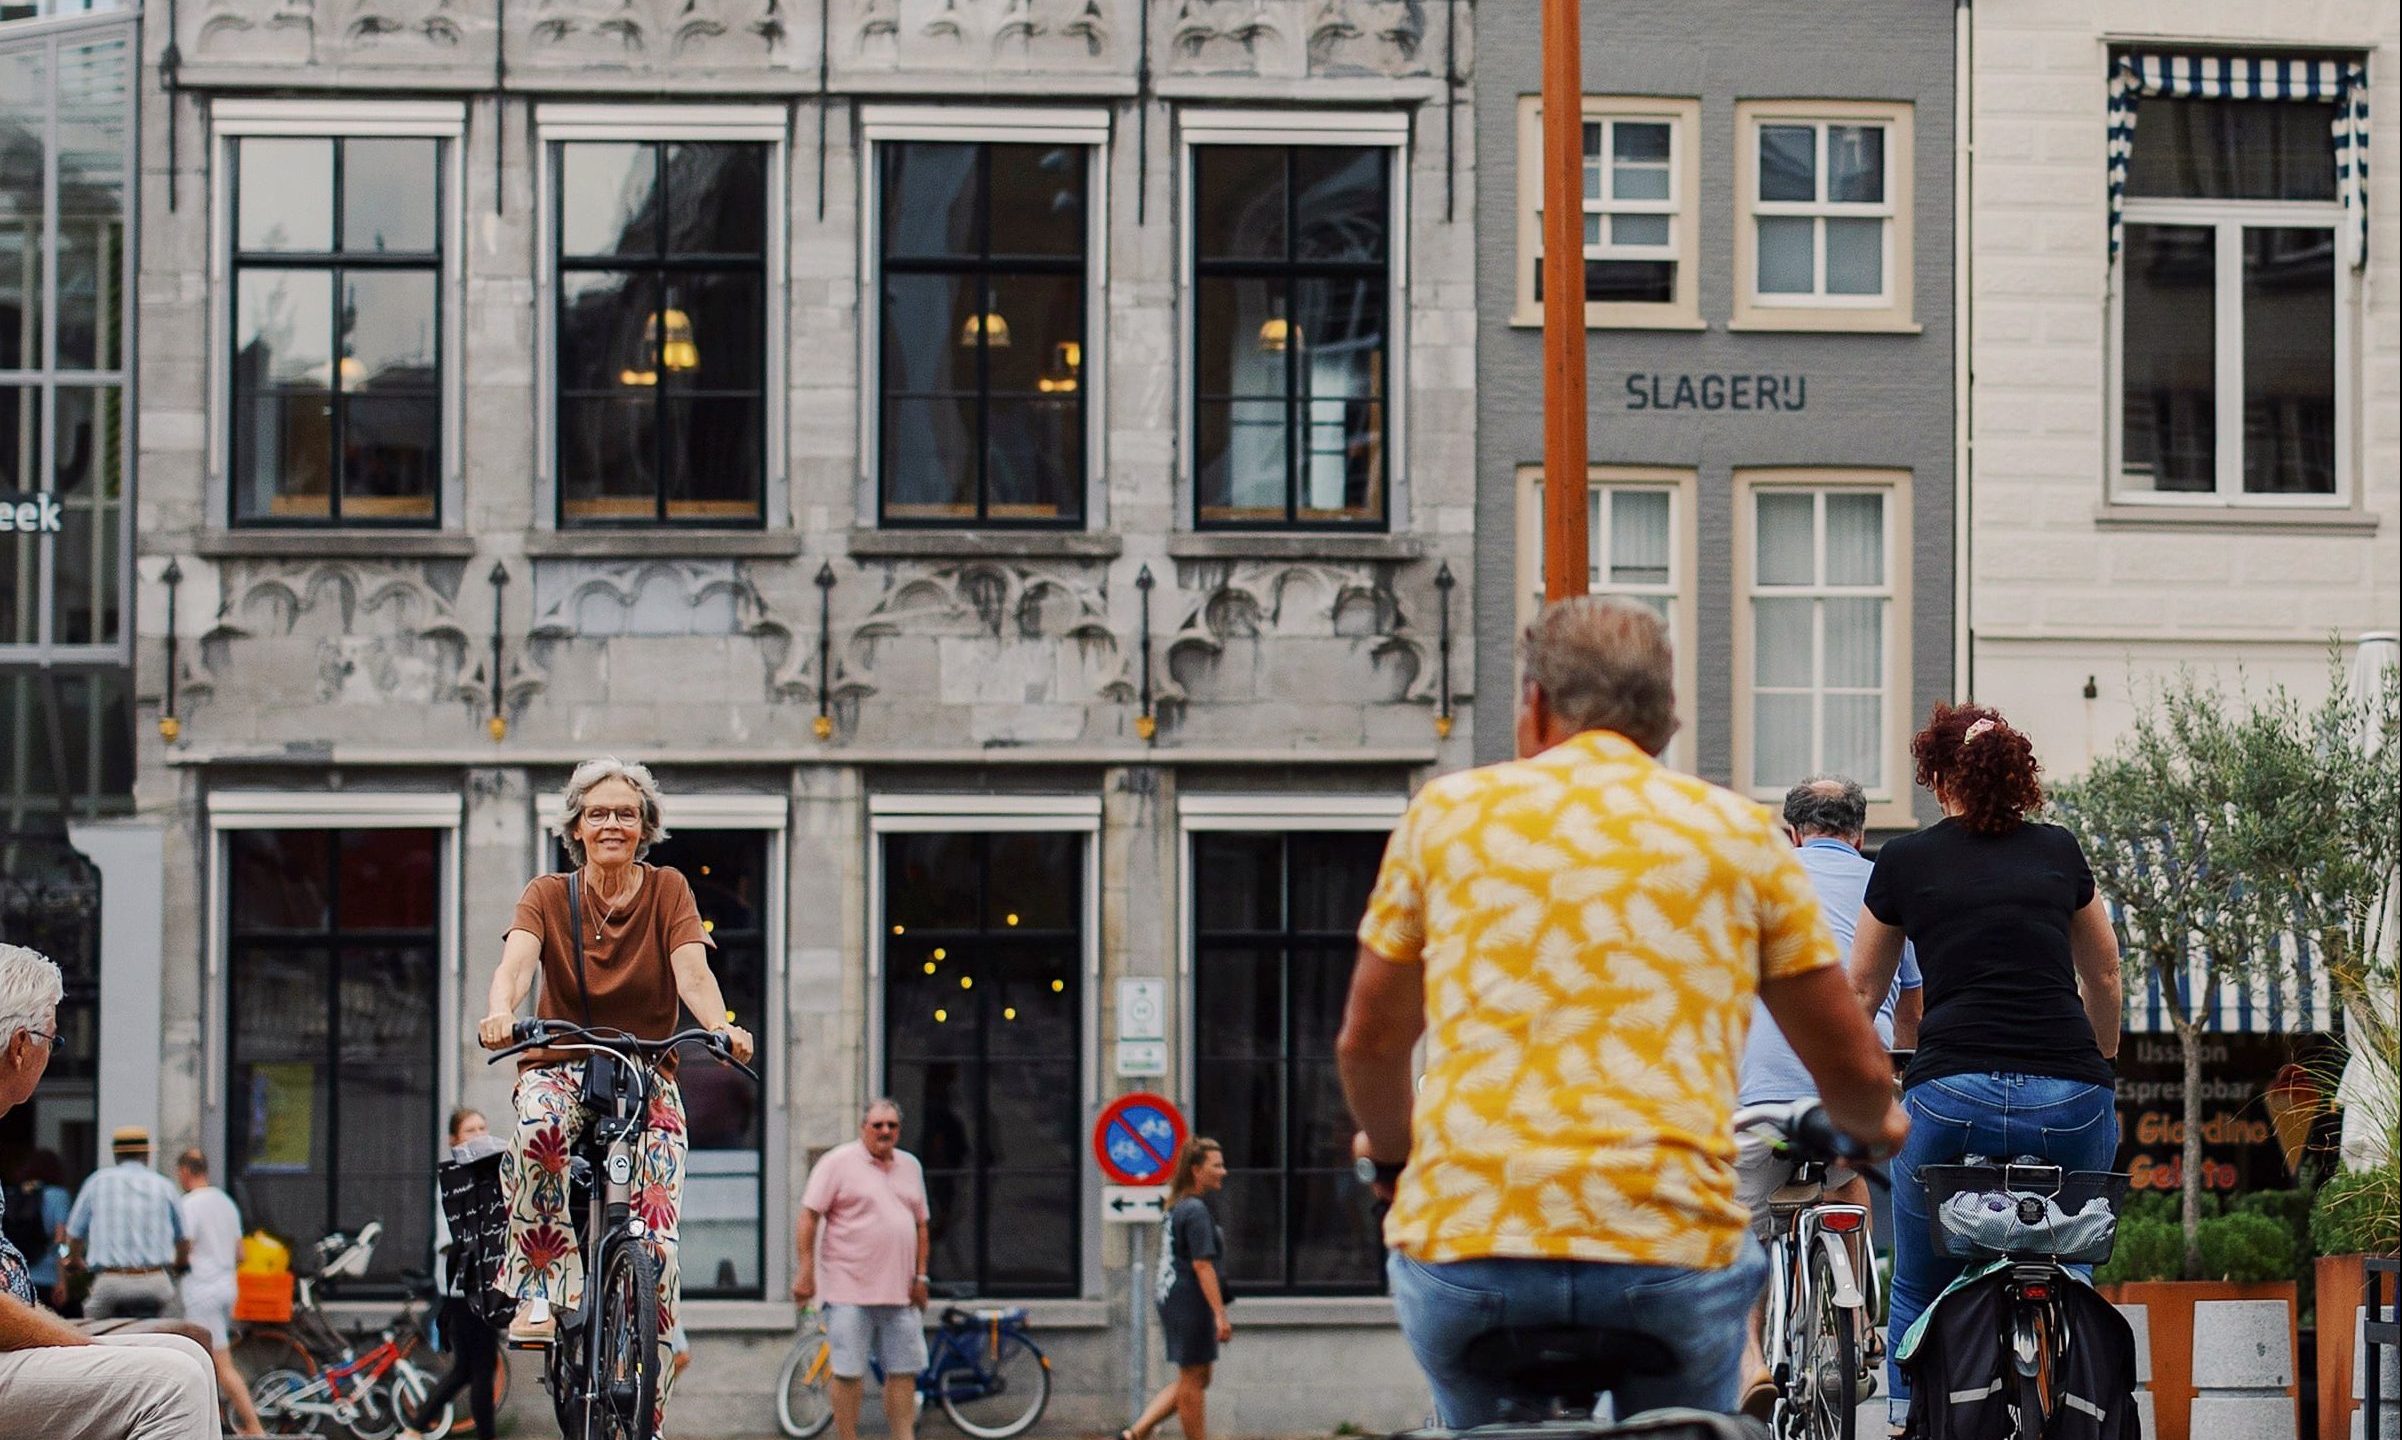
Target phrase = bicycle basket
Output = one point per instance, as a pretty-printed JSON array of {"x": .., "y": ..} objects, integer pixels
[
  {"x": 477, "y": 1207},
  {"x": 1984, "y": 1212}
]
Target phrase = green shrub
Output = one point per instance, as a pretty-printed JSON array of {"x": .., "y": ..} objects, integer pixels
[
  {"x": 2289, "y": 1208},
  {"x": 2356, "y": 1212},
  {"x": 2161, "y": 1205},
  {"x": 2148, "y": 1248},
  {"x": 2246, "y": 1249}
]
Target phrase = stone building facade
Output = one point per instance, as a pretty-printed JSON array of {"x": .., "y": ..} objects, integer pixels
[
  {"x": 1005, "y": 464},
  {"x": 2125, "y": 522},
  {"x": 1768, "y": 213}
]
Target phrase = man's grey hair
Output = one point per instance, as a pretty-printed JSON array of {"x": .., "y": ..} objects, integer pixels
[
  {"x": 881, "y": 1102},
  {"x": 594, "y": 772},
  {"x": 1827, "y": 805},
  {"x": 30, "y": 989},
  {"x": 1604, "y": 663}
]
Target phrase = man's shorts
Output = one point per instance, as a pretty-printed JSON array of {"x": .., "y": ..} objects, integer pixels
[
  {"x": 212, "y": 1307},
  {"x": 895, "y": 1334},
  {"x": 1760, "y": 1172}
]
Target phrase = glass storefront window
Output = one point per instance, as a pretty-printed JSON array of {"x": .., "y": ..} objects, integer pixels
[
  {"x": 983, "y": 1030},
  {"x": 1275, "y": 919},
  {"x": 333, "y": 965}
]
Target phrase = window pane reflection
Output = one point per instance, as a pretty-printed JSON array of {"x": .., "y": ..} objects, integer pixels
[
  {"x": 2169, "y": 348},
  {"x": 2289, "y": 361}
]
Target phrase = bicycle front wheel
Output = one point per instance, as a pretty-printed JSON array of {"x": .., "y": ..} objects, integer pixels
[
  {"x": 1827, "y": 1382},
  {"x": 626, "y": 1358},
  {"x": 1003, "y": 1393},
  {"x": 277, "y": 1394},
  {"x": 803, "y": 1408},
  {"x": 406, "y": 1390}
]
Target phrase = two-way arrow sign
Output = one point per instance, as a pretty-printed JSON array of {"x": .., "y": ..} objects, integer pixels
[{"x": 1132, "y": 1204}]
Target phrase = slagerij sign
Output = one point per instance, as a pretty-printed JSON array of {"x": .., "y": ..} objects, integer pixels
[
  {"x": 35, "y": 514},
  {"x": 1786, "y": 393}
]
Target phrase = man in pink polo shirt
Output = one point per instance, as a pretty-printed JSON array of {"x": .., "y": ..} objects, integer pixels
[{"x": 862, "y": 1248}]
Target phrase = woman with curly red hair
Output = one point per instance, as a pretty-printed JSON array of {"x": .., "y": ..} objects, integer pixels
[{"x": 2022, "y": 985}]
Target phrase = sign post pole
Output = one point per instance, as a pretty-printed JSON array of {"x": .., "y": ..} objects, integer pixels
[
  {"x": 1136, "y": 1348},
  {"x": 1135, "y": 1143}
]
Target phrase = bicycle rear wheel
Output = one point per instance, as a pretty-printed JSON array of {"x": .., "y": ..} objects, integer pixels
[
  {"x": 258, "y": 1349},
  {"x": 803, "y": 1408},
  {"x": 1005, "y": 1391},
  {"x": 2030, "y": 1393},
  {"x": 273, "y": 1393},
  {"x": 406, "y": 1390},
  {"x": 626, "y": 1358},
  {"x": 1827, "y": 1381}
]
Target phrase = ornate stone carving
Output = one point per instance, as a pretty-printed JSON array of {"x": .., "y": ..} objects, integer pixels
[
  {"x": 1007, "y": 35},
  {"x": 1289, "y": 39},
  {"x": 433, "y": 28},
  {"x": 1307, "y": 632},
  {"x": 256, "y": 30},
  {"x": 1023, "y": 649},
  {"x": 649, "y": 34},
  {"x": 591, "y": 602},
  {"x": 377, "y": 632}
]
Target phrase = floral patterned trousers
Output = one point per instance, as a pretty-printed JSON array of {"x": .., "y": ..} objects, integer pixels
[{"x": 544, "y": 1263}]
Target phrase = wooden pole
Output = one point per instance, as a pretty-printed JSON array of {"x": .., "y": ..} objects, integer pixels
[{"x": 1565, "y": 563}]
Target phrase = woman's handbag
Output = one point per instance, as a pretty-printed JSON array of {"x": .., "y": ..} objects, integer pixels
[{"x": 601, "y": 1080}]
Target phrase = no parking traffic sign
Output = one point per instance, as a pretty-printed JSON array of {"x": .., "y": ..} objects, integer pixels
[{"x": 1137, "y": 1137}]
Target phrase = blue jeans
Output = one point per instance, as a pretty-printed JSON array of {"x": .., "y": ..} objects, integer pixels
[
  {"x": 1698, "y": 1314},
  {"x": 2068, "y": 1123}
]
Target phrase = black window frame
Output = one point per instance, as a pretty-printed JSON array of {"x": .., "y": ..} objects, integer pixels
[
  {"x": 661, "y": 266},
  {"x": 392, "y": 1258},
  {"x": 984, "y": 269},
  {"x": 965, "y": 945},
  {"x": 337, "y": 262},
  {"x": 1334, "y": 948},
  {"x": 1296, "y": 399}
]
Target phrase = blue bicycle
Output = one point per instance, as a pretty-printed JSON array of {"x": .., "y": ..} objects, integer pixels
[{"x": 981, "y": 1366}]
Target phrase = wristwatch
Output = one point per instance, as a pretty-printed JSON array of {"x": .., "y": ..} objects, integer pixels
[{"x": 1377, "y": 1172}]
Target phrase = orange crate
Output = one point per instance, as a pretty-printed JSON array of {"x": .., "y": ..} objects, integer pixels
[{"x": 263, "y": 1297}]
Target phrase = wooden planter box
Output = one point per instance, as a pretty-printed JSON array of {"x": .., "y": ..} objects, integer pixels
[
  {"x": 2340, "y": 1296},
  {"x": 2169, "y": 1304}
]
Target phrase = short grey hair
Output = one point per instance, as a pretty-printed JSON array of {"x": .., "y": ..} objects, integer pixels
[
  {"x": 594, "y": 772},
  {"x": 1604, "y": 663},
  {"x": 1827, "y": 805},
  {"x": 882, "y": 1102},
  {"x": 30, "y": 989}
]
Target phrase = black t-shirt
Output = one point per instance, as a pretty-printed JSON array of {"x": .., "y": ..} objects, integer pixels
[{"x": 1990, "y": 916}]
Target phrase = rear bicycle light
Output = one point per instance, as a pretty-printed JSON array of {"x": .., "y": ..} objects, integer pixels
[
  {"x": 1840, "y": 1222},
  {"x": 2039, "y": 1291}
]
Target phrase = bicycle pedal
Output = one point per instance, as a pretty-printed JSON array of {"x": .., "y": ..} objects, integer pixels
[{"x": 530, "y": 1342}]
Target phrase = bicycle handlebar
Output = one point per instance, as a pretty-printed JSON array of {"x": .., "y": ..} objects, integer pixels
[
  {"x": 1808, "y": 1132},
  {"x": 533, "y": 1034}
]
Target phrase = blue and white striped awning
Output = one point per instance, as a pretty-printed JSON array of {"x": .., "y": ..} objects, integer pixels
[
  {"x": 2298, "y": 1001},
  {"x": 2134, "y": 75}
]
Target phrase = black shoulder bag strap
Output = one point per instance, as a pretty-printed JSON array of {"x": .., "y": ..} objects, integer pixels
[{"x": 599, "y": 1091}]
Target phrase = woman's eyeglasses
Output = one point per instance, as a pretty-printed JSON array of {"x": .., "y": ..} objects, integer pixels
[{"x": 625, "y": 818}]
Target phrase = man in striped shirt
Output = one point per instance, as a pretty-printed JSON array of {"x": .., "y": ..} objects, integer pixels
[{"x": 128, "y": 1227}]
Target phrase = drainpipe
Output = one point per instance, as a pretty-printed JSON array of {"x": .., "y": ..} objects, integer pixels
[{"x": 1964, "y": 665}]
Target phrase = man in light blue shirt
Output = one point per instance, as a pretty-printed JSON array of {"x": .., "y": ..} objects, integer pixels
[
  {"x": 1827, "y": 817},
  {"x": 127, "y": 1225}
]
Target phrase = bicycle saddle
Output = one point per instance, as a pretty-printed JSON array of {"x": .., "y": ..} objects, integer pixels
[
  {"x": 1564, "y": 1361},
  {"x": 953, "y": 1317}
]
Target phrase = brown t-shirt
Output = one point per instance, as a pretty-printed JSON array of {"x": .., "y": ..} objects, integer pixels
[{"x": 626, "y": 967}]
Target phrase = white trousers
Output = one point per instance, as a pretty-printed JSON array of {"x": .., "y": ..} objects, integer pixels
[{"x": 119, "y": 1387}]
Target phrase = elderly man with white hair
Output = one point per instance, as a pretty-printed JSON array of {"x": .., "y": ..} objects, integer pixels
[{"x": 56, "y": 1381}]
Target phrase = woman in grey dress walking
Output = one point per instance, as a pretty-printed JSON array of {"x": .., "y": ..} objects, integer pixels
[{"x": 1189, "y": 1293}]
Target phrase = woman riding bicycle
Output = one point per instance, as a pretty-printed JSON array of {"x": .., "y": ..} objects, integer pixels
[
  {"x": 640, "y": 950},
  {"x": 2022, "y": 986}
]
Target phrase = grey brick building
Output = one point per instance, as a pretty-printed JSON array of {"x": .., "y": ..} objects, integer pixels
[
  {"x": 1003, "y": 462},
  {"x": 1768, "y": 203}
]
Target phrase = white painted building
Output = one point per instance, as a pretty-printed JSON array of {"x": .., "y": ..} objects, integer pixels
[{"x": 2184, "y": 438}]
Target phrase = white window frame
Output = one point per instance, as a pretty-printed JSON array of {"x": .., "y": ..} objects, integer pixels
[
  {"x": 1890, "y": 800},
  {"x": 1683, "y": 118},
  {"x": 1681, "y": 486},
  {"x": 992, "y": 125},
  {"x": 230, "y": 810},
  {"x": 1889, "y": 311},
  {"x": 1197, "y": 127},
  {"x": 2229, "y": 219},
  {"x": 902, "y": 814},
  {"x": 231, "y": 120},
  {"x": 754, "y": 124}
]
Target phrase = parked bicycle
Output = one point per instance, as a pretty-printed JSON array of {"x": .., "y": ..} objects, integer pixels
[
  {"x": 1822, "y": 1284},
  {"x": 604, "y": 1370},
  {"x": 364, "y": 1393},
  {"x": 311, "y": 1339},
  {"x": 985, "y": 1371}
]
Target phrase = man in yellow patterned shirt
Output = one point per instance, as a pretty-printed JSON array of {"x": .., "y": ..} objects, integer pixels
[{"x": 1579, "y": 934}]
